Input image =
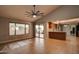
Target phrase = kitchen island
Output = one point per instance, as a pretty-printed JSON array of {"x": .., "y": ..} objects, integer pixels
[{"x": 57, "y": 35}]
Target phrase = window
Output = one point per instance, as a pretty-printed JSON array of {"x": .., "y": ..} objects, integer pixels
[
  {"x": 27, "y": 28},
  {"x": 11, "y": 28},
  {"x": 20, "y": 29}
]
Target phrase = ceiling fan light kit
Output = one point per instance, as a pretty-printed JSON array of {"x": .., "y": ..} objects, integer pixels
[{"x": 34, "y": 16}]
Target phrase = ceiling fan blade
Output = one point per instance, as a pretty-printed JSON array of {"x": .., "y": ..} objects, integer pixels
[
  {"x": 33, "y": 12},
  {"x": 25, "y": 14},
  {"x": 37, "y": 12},
  {"x": 41, "y": 13},
  {"x": 28, "y": 12},
  {"x": 29, "y": 15}
]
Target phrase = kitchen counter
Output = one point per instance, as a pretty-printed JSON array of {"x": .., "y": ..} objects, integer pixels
[{"x": 57, "y": 35}]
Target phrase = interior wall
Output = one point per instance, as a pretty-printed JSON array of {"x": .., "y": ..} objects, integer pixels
[{"x": 4, "y": 29}]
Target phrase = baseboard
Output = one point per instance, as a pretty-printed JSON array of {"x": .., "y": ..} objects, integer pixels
[{"x": 10, "y": 41}]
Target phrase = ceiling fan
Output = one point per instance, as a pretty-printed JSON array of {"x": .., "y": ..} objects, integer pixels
[{"x": 34, "y": 13}]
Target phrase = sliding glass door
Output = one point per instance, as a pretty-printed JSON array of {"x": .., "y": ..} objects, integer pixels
[{"x": 39, "y": 31}]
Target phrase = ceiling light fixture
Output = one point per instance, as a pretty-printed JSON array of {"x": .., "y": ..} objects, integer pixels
[
  {"x": 34, "y": 16},
  {"x": 34, "y": 13}
]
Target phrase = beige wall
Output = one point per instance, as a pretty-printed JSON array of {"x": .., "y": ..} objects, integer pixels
[{"x": 4, "y": 29}]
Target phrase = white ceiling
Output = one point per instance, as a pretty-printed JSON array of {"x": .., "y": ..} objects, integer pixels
[{"x": 18, "y": 11}]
